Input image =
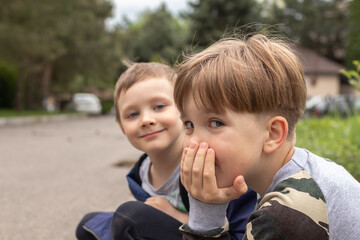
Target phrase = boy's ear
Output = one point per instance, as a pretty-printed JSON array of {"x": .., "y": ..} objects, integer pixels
[{"x": 277, "y": 128}]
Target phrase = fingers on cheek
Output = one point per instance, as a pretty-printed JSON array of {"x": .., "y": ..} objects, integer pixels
[
  {"x": 199, "y": 161},
  {"x": 185, "y": 170},
  {"x": 209, "y": 171},
  {"x": 198, "y": 165},
  {"x": 183, "y": 157},
  {"x": 209, "y": 165}
]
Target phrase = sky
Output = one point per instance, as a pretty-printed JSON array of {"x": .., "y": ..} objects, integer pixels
[{"x": 132, "y": 8}]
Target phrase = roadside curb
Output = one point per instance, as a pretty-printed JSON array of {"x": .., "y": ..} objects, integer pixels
[{"x": 19, "y": 121}]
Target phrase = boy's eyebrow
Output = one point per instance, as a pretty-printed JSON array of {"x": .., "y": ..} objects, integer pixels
[
  {"x": 127, "y": 106},
  {"x": 182, "y": 115},
  {"x": 161, "y": 98}
]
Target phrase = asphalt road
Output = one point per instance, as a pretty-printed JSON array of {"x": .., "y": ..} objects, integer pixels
[{"x": 52, "y": 173}]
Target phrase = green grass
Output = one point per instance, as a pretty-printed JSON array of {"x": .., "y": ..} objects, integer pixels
[
  {"x": 332, "y": 137},
  {"x": 25, "y": 113}
]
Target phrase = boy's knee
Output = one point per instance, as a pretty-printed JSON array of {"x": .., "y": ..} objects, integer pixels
[
  {"x": 129, "y": 210},
  {"x": 137, "y": 220},
  {"x": 125, "y": 224}
]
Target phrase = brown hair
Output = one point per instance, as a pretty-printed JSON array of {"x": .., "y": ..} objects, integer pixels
[
  {"x": 137, "y": 72},
  {"x": 256, "y": 75}
]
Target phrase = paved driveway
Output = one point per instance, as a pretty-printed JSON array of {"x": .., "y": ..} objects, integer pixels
[{"x": 52, "y": 173}]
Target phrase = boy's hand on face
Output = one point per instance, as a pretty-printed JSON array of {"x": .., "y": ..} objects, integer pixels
[
  {"x": 198, "y": 176},
  {"x": 163, "y": 205}
]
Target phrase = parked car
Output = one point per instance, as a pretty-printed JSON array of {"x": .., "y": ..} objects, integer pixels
[
  {"x": 86, "y": 103},
  {"x": 341, "y": 105}
]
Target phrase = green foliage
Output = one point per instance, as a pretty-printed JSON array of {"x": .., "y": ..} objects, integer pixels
[
  {"x": 353, "y": 75},
  {"x": 157, "y": 35},
  {"x": 335, "y": 138},
  {"x": 319, "y": 25},
  {"x": 353, "y": 36},
  {"x": 106, "y": 106},
  {"x": 51, "y": 42},
  {"x": 8, "y": 76},
  {"x": 64, "y": 46},
  {"x": 91, "y": 49},
  {"x": 211, "y": 19}
]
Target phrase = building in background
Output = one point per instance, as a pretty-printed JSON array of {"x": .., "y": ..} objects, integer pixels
[{"x": 322, "y": 75}]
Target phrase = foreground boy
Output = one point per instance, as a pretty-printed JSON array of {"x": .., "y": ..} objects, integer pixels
[
  {"x": 240, "y": 102},
  {"x": 147, "y": 115}
]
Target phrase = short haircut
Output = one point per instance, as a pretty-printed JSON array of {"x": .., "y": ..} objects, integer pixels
[
  {"x": 254, "y": 74},
  {"x": 137, "y": 72}
]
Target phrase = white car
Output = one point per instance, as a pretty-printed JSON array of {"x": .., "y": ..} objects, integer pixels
[{"x": 87, "y": 103}]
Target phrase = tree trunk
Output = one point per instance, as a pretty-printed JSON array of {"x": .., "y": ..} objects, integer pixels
[
  {"x": 32, "y": 92},
  {"x": 46, "y": 80},
  {"x": 20, "y": 90}
]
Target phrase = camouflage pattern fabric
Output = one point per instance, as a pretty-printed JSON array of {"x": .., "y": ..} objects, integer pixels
[{"x": 295, "y": 209}]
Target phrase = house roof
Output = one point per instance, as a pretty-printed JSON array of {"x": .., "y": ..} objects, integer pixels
[{"x": 314, "y": 63}]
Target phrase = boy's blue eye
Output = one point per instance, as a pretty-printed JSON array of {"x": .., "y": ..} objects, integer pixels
[
  {"x": 159, "y": 107},
  {"x": 132, "y": 115},
  {"x": 188, "y": 125},
  {"x": 216, "y": 124}
]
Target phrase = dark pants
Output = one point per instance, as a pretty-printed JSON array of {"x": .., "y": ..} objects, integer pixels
[
  {"x": 136, "y": 220},
  {"x": 81, "y": 233}
]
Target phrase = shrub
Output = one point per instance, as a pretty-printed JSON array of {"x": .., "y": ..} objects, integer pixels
[
  {"x": 8, "y": 75},
  {"x": 353, "y": 76},
  {"x": 106, "y": 106}
]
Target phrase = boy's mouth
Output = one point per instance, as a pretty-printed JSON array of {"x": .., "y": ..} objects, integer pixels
[{"x": 152, "y": 134}]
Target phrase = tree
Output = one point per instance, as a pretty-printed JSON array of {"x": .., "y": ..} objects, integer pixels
[
  {"x": 29, "y": 41},
  {"x": 91, "y": 48},
  {"x": 316, "y": 24},
  {"x": 353, "y": 39},
  {"x": 210, "y": 19},
  {"x": 38, "y": 36},
  {"x": 156, "y": 36}
]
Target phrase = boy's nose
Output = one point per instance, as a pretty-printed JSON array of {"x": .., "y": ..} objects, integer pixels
[{"x": 147, "y": 120}]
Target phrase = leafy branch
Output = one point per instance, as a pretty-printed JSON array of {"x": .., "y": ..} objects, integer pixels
[{"x": 353, "y": 75}]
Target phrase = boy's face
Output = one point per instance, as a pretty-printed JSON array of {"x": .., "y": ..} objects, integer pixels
[
  {"x": 149, "y": 117},
  {"x": 237, "y": 139}
]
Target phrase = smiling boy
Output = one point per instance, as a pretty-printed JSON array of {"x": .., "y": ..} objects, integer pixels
[
  {"x": 240, "y": 101},
  {"x": 149, "y": 119}
]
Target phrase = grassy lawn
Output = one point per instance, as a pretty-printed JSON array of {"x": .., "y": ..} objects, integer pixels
[
  {"x": 25, "y": 113},
  {"x": 335, "y": 138}
]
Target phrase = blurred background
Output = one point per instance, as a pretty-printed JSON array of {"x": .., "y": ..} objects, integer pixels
[
  {"x": 61, "y": 152},
  {"x": 50, "y": 50}
]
